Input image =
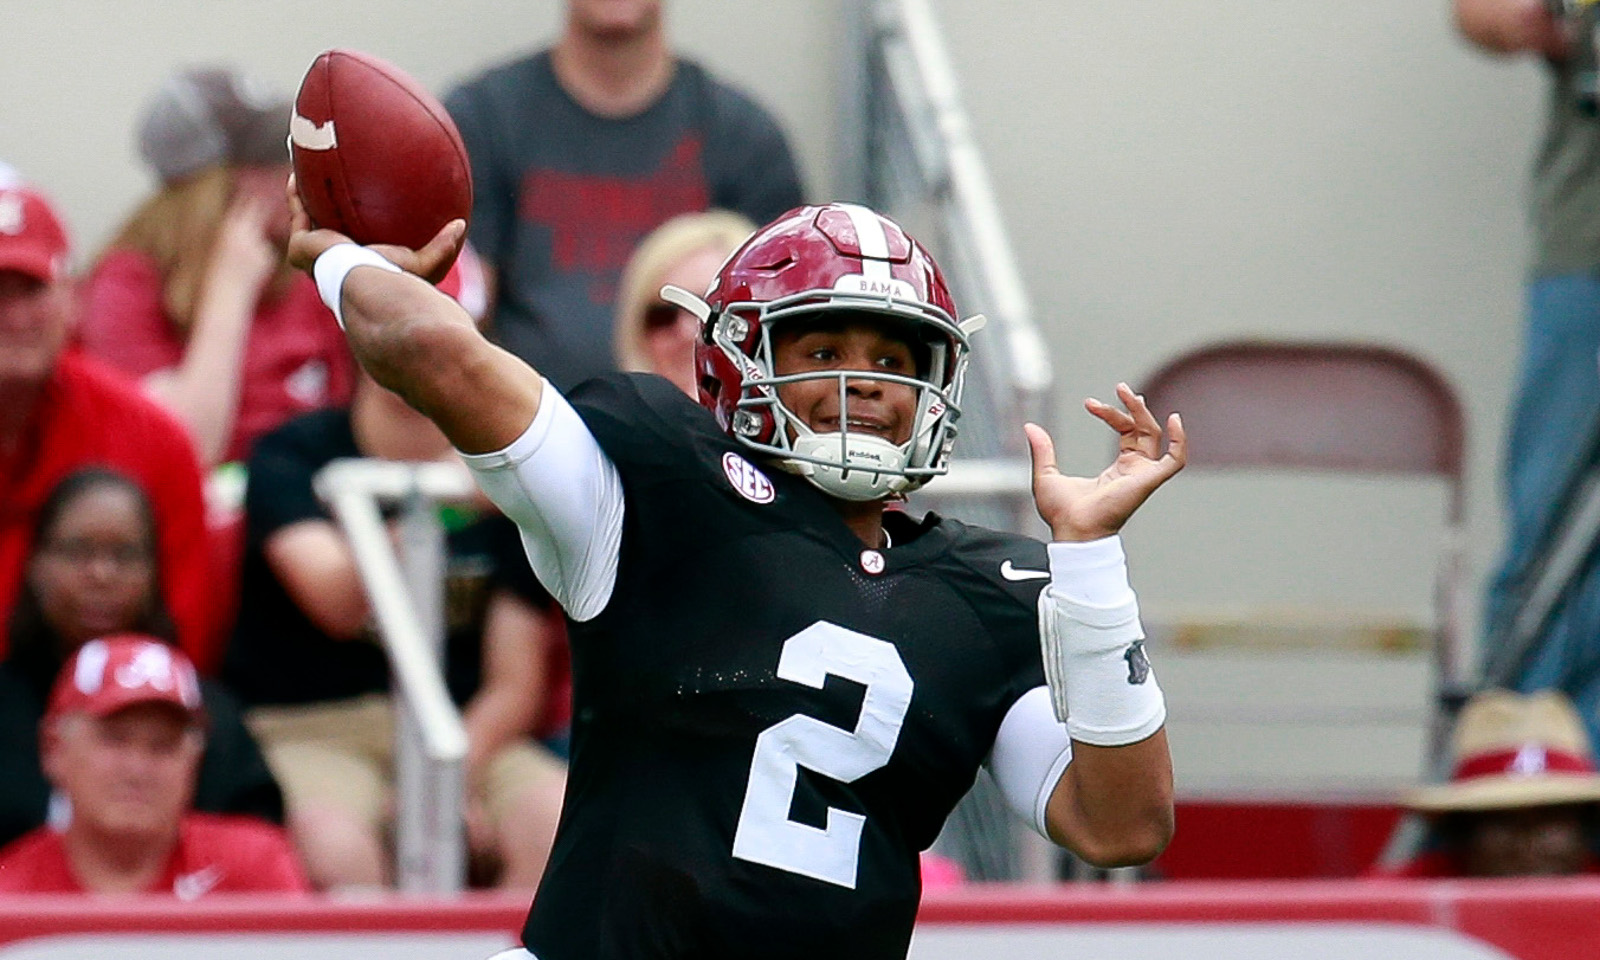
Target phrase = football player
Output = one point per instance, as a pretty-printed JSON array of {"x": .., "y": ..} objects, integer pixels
[{"x": 782, "y": 688}]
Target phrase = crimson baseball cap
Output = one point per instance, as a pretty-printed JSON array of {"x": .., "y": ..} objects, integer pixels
[
  {"x": 32, "y": 239},
  {"x": 111, "y": 673}
]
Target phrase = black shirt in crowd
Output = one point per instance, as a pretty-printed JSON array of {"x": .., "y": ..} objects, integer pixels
[{"x": 278, "y": 655}]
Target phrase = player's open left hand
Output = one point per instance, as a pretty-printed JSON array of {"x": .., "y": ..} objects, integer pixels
[
  {"x": 1085, "y": 508},
  {"x": 307, "y": 242}
]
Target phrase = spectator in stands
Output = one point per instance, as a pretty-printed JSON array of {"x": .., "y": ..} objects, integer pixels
[
  {"x": 60, "y": 411},
  {"x": 652, "y": 335},
  {"x": 1555, "y": 408},
  {"x": 1523, "y": 799},
  {"x": 580, "y": 150},
  {"x": 92, "y": 573},
  {"x": 305, "y": 658},
  {"x": 193, "y": 295},
  {"x": 122, "y": 741}
]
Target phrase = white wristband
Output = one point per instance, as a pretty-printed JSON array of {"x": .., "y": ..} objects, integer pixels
[
  {"x": 335, "y": 263},
  {"x": 1101, "y": 684}
]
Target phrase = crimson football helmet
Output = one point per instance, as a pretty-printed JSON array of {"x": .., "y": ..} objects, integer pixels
[{"x": 818, "y": 261}]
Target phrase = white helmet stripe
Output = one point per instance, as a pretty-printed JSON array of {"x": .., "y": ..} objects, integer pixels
[{"x": 874, "y": 242}]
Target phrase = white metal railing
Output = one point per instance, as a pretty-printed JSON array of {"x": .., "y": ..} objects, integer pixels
[
  {"x": 913, "y": 152},
  {"x": 406, "y": 589},
  {"x": 1000, "y": 486},
  {"x": 907, "y": 147},
  {"x": 925, "y": 82}
]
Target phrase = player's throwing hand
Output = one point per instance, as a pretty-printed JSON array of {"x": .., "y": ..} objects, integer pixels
[{"x": 431, "y": 263}]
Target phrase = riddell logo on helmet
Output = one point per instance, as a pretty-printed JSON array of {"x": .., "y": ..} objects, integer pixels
[
  {"x": 875, "y": 286},
  {"x": 751, "y": 483}
]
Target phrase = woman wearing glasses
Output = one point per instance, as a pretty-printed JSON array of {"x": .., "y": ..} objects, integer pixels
[
  {"x": 92, "y": 572},
  {"x": 653, "y": 336}
]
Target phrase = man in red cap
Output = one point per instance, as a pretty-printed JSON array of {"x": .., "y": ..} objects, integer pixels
[
  {"x": 60, "y": 411},
  {"x": 121, "y": 744}
]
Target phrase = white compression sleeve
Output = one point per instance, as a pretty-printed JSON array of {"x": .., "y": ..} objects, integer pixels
[
  {"x": 1094, "y": 661},
  {"x": 566, "y": 497},
  {"x": 1030, "y": 753}
]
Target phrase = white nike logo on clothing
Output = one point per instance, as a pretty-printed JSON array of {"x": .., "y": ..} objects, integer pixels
[
  {"x": 192, "y": 886},
  {"x": 1012, "y": 573}
]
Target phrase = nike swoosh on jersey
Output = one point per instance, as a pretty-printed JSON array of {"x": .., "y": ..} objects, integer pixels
[{"x": 1012, "y": 573}]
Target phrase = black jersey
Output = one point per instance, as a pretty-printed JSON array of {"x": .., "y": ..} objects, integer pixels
[{"x": 770, "y": 722}]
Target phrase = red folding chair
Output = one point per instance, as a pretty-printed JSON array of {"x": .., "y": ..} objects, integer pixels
[{"x": 1346, "y": 408}]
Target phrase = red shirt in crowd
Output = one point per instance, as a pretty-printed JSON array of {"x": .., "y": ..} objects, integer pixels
[
  {"x": 1440, "y": 864},
  {"x": 214, "y": 855},
  {"x": 89, "y": 415},
  {"x": 295, "y": 356}
]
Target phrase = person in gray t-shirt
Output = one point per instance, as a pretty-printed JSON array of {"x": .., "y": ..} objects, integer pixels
[{"x": 580, "y": 150}]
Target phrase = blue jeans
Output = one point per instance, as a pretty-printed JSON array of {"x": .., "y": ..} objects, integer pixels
[{"x": 1556, "y": 411}]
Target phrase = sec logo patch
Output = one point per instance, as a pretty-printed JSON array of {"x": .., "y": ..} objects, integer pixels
[{"x": 751, "y": 483}]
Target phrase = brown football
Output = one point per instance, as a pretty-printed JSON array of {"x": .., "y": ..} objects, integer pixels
[{"x": 376, "y": 157}]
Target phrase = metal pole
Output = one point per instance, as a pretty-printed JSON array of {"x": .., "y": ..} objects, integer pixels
[
  {"x": 975, "y": 210},
  {"x": 428, "y": 844},
  {"x": 431, "y": 744},
  {"x": 851, "y": 161}
]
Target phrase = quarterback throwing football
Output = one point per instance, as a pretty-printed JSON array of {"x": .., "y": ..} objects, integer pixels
[{"x": 781, "y": 689}]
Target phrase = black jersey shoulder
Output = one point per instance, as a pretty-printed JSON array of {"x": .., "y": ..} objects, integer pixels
[
  {"x": 1015, "y": 565},
  {"x": 642, "y": 420}
]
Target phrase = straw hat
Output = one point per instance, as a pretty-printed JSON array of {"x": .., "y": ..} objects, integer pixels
[{"x": 1514, "y": 750}]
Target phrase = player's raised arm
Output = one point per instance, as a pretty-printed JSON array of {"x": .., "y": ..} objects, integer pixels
[
  {"x": 421, "y": 344},
  {"x": 415, "y": 340},
  {"x": 1113, "y": 803}
]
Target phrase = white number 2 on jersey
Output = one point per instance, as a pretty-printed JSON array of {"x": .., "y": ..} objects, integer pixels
[{"x": 766, "y": 835}]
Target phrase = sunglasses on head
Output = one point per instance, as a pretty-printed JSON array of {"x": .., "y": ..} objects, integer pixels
[{"x": 660, "y": 316}]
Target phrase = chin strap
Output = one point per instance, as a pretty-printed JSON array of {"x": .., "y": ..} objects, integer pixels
[{"x": 854, "y": 468}]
